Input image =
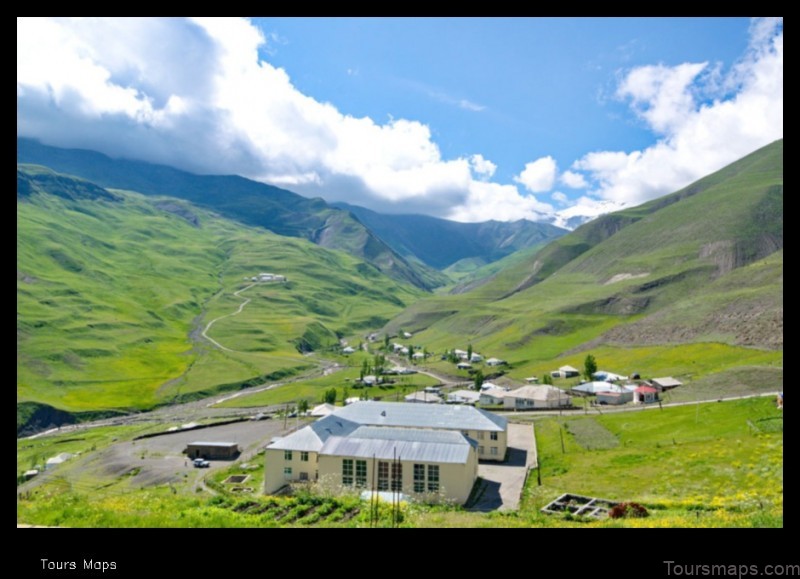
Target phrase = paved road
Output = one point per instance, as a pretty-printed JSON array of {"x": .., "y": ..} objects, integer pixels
[{"x": 503, "y": 482}]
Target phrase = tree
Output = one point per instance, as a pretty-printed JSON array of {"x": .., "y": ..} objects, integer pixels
[
  {"x": 345, "y": 394},
  {"x": 589, "y": 367},
  {"x": 302, "y": 406},
  {"x": 410, "y": 353},
  {"x": 364, "y": 369},
  {"x": 330, "y": 396},
  {"x": 469, "y": 353},
  {"x": 386, "y": 340},
  {"x": 547, "y": 378},
  {"x": 379, "y": 363},
  {"x": 478, "y": 379}
]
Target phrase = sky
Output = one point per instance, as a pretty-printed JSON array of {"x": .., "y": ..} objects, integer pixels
[{"x": 470, "y": 119}]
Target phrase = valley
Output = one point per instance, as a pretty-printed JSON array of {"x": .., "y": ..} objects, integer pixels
[{"x": 139, "y": 311}]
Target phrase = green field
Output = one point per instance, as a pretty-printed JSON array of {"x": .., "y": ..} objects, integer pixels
[
  {"x": 113, "y": 292},
  {"x": 706, "y": 465}
]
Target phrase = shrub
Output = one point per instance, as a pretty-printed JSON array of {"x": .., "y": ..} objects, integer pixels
[{"x": 628, "y": 510}]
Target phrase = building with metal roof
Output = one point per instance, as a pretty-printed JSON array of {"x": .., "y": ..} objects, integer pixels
[
  {"x": 530, "y": 397},
  {"x": 665, "y": 383},
  {"x": 424, "y": 451}
]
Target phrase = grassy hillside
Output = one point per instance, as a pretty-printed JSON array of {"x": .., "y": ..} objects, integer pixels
[
  {"x": 697, "y": 269},
  {"x": 441, "y": 243},
  {"x": 115, "y": 288},
  {"x": 241, "y": 199}
]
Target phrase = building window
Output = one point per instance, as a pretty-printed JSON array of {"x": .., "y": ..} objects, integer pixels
[
  {"x": 347, "y": 471},
  {"x": 303, "y": 456},
  {"x": 419, "y": 478},
  {"x": 287, "y": 455},
  {"x": 493, "y": 451},
  {"x": 493, "y": 436},
  {"x": 433, "y": 478},
  {"x": 304, "y": 476},
  {"x": 480, "y": 435},
  {"x": 383, "y": 476},
  {"x": 361, "y": 473},
  {"x": 287, "y": 473},
  {"x": 480, "y": 450},
  {"x": 397, "y": 476}
]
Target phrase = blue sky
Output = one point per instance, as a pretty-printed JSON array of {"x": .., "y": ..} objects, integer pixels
[{"x": 464, "y": 118}]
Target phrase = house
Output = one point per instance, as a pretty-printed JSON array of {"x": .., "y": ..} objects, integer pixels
[
  {"x": 605, "y": 376},
  {"x": 323, "y": 409},
  {"x": 492, "y": 396},
  {"x": 397, "y": 347},
  {"x": 348, "y": 350},
  {"x": 532, "y": 379},
  {"x": 212, "y": 450},
  {"x": 535, "y": 397},
  {"x": 403, "y": 351},
  {"x": 565, "y": 372},
  {"x": 407, "y": 335},
  {"x": 460, "y": 354},
  {"x": 433, "y": 389},
  {"x": 418, "y": 356},
  {"x": 475, "y": 358},
  {"x": 665, "y": 383},
  {"x": 495, "y": 362},
  {"x": 425, "y": 451},
  {"x": 351, "y": 400},
  {"x": 424, "y": 398},
  {"x": 463, "y": 397},
  {"x": 645, "y": 395},
  {"x": 614, "y": 398},
  {"x": 464, "y": 366},
  {"x": 370, "y": 380},
  {"x": 592, "y": 388}
]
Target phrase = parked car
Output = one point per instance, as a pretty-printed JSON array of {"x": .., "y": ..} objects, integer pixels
[{"x": 201, "y": 463}]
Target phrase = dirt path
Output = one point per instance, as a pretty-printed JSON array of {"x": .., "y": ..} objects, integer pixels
[{"x": 236, "y": 313}]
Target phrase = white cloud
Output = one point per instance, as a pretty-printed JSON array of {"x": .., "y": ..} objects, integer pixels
[
  {"x": 573, "y": 180},
  {"x": 697, "y": 137},
  {"x": 482, "y": 167},
  {"x": 559, "y": 197},
  {"x": 538, "y": 175},
  {"x": 195, "y": 93}
]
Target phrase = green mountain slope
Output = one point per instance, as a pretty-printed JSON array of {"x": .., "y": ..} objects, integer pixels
[
  {"x": 441, "y": 243},
  {"x": 114, "y": 289},
  {"x": 250, "y": 202},
  {"x": 654, "y": 286}
]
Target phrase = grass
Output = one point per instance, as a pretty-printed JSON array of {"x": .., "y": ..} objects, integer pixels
[
  {"x": 112, "y": 294},
  {"x": 689, "y": 467},
  {"x": 344, "y": 382}
]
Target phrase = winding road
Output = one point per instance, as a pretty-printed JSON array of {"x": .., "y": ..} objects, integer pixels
[{"x": 237, "y": 312}]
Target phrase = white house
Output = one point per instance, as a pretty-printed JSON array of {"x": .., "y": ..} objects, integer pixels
[
  {"x": 492, "y": 396},
  {"x": 424, "y": 397},
  {"x": 534, "y": 397},
  {"x": 565, "y": 372},
  {"x": 605, "y": 376},
  {"x": 348, "y": 350},
  {"x": 460, "y": 354},
  {"x": 463, "y": 365},
  {"x": 463, "y": 397},
  {"x": 476, "y": 357},
  {"x": 418, "y": 356},
  {"x": 645, "y": 395},
  {"x": 614, "y": 398},
  {"x": 424, "y": 451},
  {"x": 592, "y": 388},
  {"x": 495, "y": 362},
  {"x": 407, "y": 335}
]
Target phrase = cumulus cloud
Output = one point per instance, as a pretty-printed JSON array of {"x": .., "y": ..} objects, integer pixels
[
  {"x": 197, "y": 94},
  {"x": 539, "y": 175},
  {"x": 697, "y": 136},
  {"x": 573, "y": 180},
  {"x": 482, "y": 167},
  {"x": 559, "y": 197}
]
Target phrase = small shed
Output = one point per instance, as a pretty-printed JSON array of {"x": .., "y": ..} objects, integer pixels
[
  {"x": 614, "y": 398},
  {"x": 463, "y": 366},
  {"x": 569, "y": 371},
  {"x": 645, "y": 395},
  {"x": 463, "y": 397},
  {"x": 212, "y": 450},
  {"x": 348, "y": 350},
  {"x": 665, "y": 383},
  {"x": 495, "y": 362},
  {"x": 424, "y": 397}
]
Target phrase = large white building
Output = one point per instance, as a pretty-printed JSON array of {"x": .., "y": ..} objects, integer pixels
[{"x": 423, "y": 451}]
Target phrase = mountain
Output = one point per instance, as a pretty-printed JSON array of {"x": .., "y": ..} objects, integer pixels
[
  {"x": 690, "y": 283},
  {"x": 440, "y": 243},
  {"x": 249, "y": 202},
  {"x": 114, "y": 290}
]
